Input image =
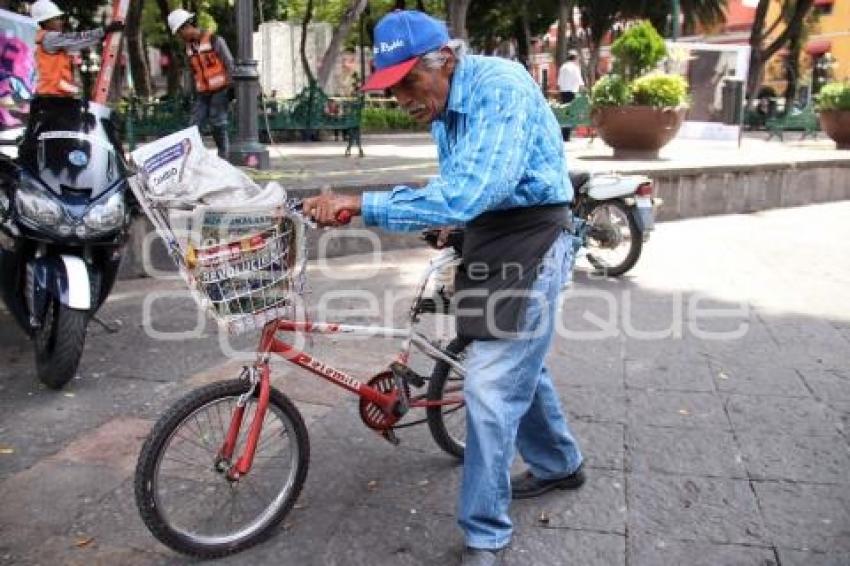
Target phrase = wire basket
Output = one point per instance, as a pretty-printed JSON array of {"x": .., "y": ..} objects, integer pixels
[{"x": 244, "y": 265}]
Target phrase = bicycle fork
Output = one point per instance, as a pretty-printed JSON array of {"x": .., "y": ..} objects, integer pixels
[{"x": 257, "y": 376}]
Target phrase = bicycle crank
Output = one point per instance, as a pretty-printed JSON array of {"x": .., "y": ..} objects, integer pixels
[{"x": 376, "y": 417}]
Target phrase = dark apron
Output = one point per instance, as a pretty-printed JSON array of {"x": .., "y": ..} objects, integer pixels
[{"x": 502, "y": 252}]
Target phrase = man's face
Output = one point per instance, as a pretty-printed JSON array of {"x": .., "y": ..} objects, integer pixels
[
  {"x": 188, "y": 33},
  {"x": 424, "y": 92},
  {"x": 54, "y": 24}
]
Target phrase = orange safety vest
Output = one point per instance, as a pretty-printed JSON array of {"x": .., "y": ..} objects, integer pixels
[
  {"x": 55, "y": 70},
  {"x": 208, "y": 68}
]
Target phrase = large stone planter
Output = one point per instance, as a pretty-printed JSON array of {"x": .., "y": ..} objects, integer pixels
[
  {"x": 836, "y": 124},
  {"x": 637, "y": 132}
]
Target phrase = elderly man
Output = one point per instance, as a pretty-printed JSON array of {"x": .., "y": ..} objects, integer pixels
[{"x": 503, "y": 176}]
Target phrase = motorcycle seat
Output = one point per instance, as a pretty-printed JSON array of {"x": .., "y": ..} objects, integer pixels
[{"x": 579, "y": 178}]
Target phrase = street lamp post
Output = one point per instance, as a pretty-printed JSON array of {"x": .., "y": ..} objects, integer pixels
[
  {"x": 674, "y": 20},
  {"x": 247, "y": 149}
]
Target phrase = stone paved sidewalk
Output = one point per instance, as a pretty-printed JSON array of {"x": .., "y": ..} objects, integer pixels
[
  {"x": 412, "y": 158},
  {"x": 699, "y": 451}
]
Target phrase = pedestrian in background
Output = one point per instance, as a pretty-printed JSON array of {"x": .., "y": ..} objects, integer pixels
[
  {"x": 54, "y": 47},
  {"x": 212, "y": 68},
  {"x": 570, "y": 83}
]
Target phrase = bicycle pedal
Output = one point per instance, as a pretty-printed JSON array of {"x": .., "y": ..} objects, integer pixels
[
  {"x": 389, "y": 436},
  {"x": 407, "y": 374}
]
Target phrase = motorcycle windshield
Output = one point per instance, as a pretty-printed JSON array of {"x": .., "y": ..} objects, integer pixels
[{"x": 70, "y": 147}]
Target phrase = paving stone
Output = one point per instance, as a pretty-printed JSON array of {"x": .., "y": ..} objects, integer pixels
[
  {"x": 594, "y": 403},
  {"x": 680, "y": 373},
  {"x": 565, "y": 547},
  {"x": 684, "y": 451},
  {"x": 676, "y": 409},
  {"x": 569, "y": 371},
  {"x": 823, "y": 459},
  {"x": 394, "y": 537},
  {"x": 657, "y": 550},
  {"x": 801, "y": 558},
  {"x": 52, "y": 492},
  {"x": 811, "y": 517},
  {"x": 694, "y": 508},
  {"x": 753, "y": 375},
  {"x": 599, "y": 505},
  {"x": 829, "y": 385},
  {"x": 600, "y": 443},
  {"x": 782, "y": 415},
  {"x": 811, "y": 340}
]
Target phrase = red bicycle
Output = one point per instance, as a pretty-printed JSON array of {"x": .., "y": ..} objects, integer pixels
[{"x": 226, "y": 463}]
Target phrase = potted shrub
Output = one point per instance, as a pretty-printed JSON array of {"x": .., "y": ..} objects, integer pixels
[
  {"x": 636, "y": 110},
  {"x": 834, "y": 107}
]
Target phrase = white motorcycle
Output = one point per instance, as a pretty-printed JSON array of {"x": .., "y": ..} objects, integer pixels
[{"x": 614, "y": 215}]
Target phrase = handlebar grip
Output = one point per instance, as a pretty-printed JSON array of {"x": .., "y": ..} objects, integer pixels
[{"x": 344, "y": 216}]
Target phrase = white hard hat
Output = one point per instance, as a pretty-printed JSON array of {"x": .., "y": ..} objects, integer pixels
[
  {"x": 177, "y": 18},
  {"x": 44, "y": 10}
]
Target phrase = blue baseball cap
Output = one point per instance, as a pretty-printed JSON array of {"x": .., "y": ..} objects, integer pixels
[{"x": 401, "y": 37}]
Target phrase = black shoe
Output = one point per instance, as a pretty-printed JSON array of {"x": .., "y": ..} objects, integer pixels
[
  {"x": 481, "y": 556},
  {"x": 526, "y": 486}
]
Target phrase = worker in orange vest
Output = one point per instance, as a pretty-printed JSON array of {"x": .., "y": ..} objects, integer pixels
[
  {"x": 54, "y": 47},
  {"x": 212, "y": 68}
]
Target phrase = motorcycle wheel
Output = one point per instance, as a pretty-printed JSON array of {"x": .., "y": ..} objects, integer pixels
[
  {"x": 59, "y": 344},
  {"x": 614, "y": 242}
]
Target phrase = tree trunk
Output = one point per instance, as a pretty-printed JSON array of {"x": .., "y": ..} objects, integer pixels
[
  {"x": 761, "y": 53},
  {"x": 349, "y": 18},
  {"x": 305, "y": 23},
  {"x": 565, "y": 14},
  {"x": 136, "y": 50},
  {"x": 420, "y": 5},
  {"x": 523, "y": 37},
  {"x": 456, "y": 10},
  {"x": 795, "y": 46}
]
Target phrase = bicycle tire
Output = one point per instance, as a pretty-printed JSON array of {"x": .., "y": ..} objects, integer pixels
[
  {"x": 436, "y": 415},
  {"x": 162, "y": 432}
]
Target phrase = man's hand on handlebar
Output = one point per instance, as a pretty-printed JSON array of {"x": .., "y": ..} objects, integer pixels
[{"x": 331, "y": 209}]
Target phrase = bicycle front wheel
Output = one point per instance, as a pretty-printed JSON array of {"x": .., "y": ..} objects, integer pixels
[{"x": 182, "y": 490}]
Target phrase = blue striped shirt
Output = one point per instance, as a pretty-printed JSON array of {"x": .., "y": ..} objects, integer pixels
[{"x": 499, "y": 147}]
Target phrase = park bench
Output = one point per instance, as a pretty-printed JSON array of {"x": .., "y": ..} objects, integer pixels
[
  {"x": 312, "y": 111},
  {"x": 804, "y": 120},
  {"x": 575, "y": 115}
]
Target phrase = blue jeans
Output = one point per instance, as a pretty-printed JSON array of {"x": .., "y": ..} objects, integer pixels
[{"x": 510, "y": 401}]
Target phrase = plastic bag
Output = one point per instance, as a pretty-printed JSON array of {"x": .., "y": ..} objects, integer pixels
[{"x": 178, "y": 166}]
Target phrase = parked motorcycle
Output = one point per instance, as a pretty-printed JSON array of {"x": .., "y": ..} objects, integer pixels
[
  {"x": 64, "y": 218},
  {"x": 618, "y": 213}
]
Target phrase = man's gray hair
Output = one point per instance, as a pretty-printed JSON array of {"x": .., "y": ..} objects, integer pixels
[{"x": 436, "y": 59}]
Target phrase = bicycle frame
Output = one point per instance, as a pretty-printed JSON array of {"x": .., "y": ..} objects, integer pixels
[{"x": 391, "y": 402}]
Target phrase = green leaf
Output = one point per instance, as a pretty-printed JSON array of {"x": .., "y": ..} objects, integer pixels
[{"x": 834, "y": 96}]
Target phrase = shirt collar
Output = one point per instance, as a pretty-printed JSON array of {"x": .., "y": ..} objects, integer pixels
[{"x": 459, "y": 92}]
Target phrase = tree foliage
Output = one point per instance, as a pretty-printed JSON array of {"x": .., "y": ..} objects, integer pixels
[{"x": 638, "y": 50}]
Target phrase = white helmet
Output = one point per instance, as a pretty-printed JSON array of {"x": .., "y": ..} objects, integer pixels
[
  {"x": 178, "y": 18},
  {"x": 44, "y": 10}
]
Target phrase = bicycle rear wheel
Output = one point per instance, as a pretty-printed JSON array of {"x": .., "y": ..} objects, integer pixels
[
  {"x": 182, "y": 490},
  {"x": 448, "y": 422}
]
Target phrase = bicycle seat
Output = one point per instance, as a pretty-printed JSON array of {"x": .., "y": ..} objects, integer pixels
[
  {"x": 579, "y": 178},
  {"x": 454, "y": 240}
]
